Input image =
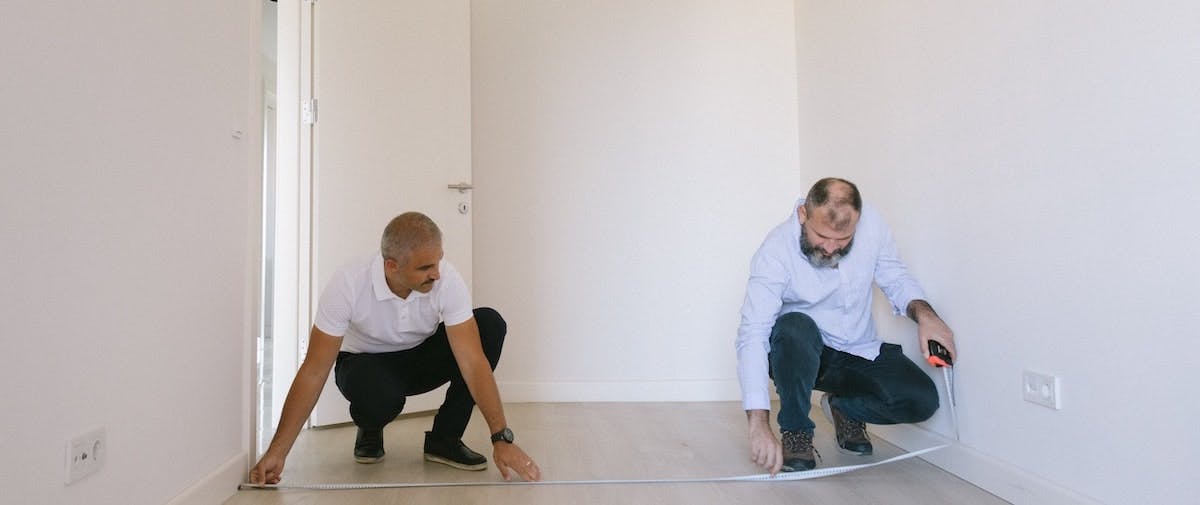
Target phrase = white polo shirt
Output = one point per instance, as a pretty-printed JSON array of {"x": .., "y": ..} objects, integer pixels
[{"x": 358, "y": 306}]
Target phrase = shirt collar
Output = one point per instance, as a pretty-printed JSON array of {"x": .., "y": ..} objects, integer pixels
[
  {"x": 382, "y": 291},
  {"x": 795, "y": 220}
]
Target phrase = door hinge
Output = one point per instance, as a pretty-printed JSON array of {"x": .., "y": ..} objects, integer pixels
[{"x": 308, "y": 111}]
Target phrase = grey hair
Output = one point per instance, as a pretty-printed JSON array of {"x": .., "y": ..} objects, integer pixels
[
  {"x": 406, "y": 232},
  {"x": 838, "y": 201}
]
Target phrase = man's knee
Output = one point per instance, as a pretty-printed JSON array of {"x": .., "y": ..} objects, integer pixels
[
  {"x": 491, "y": 323},
  {"x": 921, "y": 405},
  {"x": 492, "y": 330},
  {"x": 375, "y": 412},
  {"x": 797, "y": 330},
  {"x": 374, "y": 398}
]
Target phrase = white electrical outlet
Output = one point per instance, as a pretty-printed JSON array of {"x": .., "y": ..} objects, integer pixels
[
  {"x": 1042, "y": 389},
  {"x": 85, "y": 454}
]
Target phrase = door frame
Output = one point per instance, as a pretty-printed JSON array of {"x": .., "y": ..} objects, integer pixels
[
  {"x": 295, "y": 234},
  {"x": 292, "y": 299}
]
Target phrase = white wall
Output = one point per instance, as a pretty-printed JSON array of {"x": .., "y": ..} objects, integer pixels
[
  {"x": 629, "y": 157},
  {"x": 129, "y": 217},
  {"x": 1038, "y": 164}
]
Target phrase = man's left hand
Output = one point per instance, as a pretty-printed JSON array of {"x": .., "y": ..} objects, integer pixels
[
  {"x": 511, "y": 460},
  {"x": 931, "y": 327}
]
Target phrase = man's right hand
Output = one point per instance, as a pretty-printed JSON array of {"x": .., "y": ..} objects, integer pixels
[
  {"x": 765, "y": 449},
  {"x": 268, "y": 470}
]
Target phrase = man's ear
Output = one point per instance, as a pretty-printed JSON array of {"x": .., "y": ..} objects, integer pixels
[{"x": 802, "y": 214}]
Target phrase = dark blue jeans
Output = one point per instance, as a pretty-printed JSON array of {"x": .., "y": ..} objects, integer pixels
[
  {"x": 378, "y": 384},
  {"x": 889, "y": 390}
]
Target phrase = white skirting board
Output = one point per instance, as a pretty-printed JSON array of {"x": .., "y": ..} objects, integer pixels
[
  {"x": 217, "y": 486},
  {"x": 994, "y": 476}
]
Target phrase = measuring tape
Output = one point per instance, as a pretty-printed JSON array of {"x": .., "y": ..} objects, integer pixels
[
  {"x": 938, "y": 357},
  {"x": 762, "y": 477}
]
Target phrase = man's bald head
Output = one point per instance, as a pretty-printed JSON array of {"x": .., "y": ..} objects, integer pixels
[{"x": 835, "y": 202}]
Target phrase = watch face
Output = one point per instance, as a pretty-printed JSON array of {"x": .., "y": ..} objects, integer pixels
[{"x": 505, "y": 435}]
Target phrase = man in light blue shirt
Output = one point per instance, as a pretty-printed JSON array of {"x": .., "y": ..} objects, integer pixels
[{"x": 806, "y": 323}]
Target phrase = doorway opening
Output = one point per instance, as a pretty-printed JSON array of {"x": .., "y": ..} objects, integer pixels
[{"x": 285, "y": 215}]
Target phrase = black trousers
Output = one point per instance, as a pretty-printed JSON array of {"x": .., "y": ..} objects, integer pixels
[{"x": 377, "y": 384}]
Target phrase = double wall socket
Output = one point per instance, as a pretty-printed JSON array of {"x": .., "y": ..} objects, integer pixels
[
  {"x": 1042, "y": 389},
  {"x": 85, "y": 454}
]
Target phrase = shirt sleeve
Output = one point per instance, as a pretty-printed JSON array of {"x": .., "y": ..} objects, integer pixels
[
  {"x": 455, "y": 303},
  {"x": 335, "y": 307},
  {"x": 764, "y": 298},
  {"x": 892, "y": 276}
]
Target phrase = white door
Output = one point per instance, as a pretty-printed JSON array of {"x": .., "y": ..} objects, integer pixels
[{"x": 393, "y": 130}]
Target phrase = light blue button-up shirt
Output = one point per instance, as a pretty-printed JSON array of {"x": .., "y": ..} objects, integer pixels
[{"x": 782, "y": 280}]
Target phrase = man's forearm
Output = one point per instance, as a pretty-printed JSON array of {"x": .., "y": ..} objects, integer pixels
[
  {"x": 477, "y": 372},
  {"x": 301, "y": 398},
  {"x": 918, "y": 309},
  {"x": 482, "y": 385}
]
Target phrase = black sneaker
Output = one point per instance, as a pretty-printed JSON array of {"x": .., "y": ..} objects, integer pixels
[
  {"x": 368, "y": 446},
  {"x": 798, "y": 451},
  {"x": 851, "y": 435},
  {"x": 452, "y": 452}
]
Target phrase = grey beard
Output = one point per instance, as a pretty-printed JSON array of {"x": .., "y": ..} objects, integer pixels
[{"x": 817, "y": 257}]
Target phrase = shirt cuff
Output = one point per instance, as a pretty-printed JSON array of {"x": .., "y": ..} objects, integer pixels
[{"x": 756, "y": 401}]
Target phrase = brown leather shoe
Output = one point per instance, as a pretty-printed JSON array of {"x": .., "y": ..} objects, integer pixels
[
  {"x": 798, "y": 451},
  {"x": 851, "y": 435}
]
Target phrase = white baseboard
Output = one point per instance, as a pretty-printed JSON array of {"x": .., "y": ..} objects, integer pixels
[
  {"x": 622, "y": 391},
  {"x": 990, "y": 474},
  {"x": 218, "y": 486}
]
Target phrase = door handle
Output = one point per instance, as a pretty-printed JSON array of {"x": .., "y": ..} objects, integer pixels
[{"x": 462, "y": 187}]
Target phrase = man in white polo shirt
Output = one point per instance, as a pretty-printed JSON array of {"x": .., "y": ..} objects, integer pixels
[
  {"x": 399, "y": 323},
  {"x": 806, "y": 324}
]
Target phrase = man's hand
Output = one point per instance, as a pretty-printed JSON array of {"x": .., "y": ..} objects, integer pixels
[
  {"x": 765, "y": 450},
  {"x": 931, "y": 327},
  {"x": 511, "y": 460},
  {"x": 268, "y": 469}
]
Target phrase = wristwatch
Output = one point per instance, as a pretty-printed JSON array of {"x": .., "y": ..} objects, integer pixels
[{"x": 505, "y": 435}]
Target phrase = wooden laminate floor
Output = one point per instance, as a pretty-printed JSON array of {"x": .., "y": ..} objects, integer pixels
[{"x": 587, "y": 441}]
